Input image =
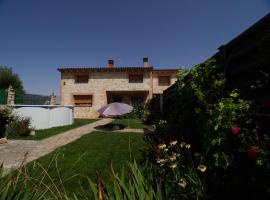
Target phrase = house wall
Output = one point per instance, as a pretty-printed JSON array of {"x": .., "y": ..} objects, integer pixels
[
  {"x": 98, "y": 84},
  {"x": 159, "y": 89}
]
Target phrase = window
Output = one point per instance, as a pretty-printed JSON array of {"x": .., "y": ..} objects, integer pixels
[
  {"x": 164, "y": 80},
  {"x": 83, "y": 100},
  {"x": 135, "y": 78},
  {"x": 82, "y": 79}
]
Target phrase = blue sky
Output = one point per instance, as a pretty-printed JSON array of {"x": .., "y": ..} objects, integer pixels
[{"x": 37, "y": 36}]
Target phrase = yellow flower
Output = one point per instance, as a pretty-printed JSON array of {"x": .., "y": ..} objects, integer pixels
[
  {"x": 172, "y": 143},
  {"x": 173, "y": 166},
  {"x": 182, "y": 182},
  {"x": 172, "y": 158},
  {"x": 160, "y": 160},
  {"x": 182, "y": 144},
  {"x": 162, "y": 146},
  {"x": 202, "y": 168}
]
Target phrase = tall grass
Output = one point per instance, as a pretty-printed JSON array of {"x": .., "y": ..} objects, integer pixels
[
  {"x": 19, "y": 185},
  {"x": 132, "y": 185}
]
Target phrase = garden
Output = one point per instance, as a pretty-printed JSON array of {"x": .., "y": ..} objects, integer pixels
[{"x": 209, "y": 142}]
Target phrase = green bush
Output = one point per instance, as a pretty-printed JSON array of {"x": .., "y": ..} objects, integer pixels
[
  {"x": 224, "y": 128},
  {"x": 140, "y": 111},
  {"x": 5, "y": 117},
  {"x": 19, "y": 126}
]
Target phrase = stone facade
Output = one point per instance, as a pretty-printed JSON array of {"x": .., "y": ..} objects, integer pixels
[
  {"x": 157, "y": 89},
  {"x": 107, "y": 83}
]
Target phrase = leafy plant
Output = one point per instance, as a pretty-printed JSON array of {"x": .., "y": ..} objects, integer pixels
[
  {"x": 19, "y": 185},
  {"x": 133, "y": 186},
  {"x": 223, "y": 127},
  {"x": 5, "y": 117},
  {"x": 19, "y": 126},
  {"x": 7, "y": 78}
]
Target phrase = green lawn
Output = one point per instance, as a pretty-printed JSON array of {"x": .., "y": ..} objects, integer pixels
[
  {"x": 97, "y": 151},
  {"x": 45, "y": 133},
  {"x": 130, "y": 123}
]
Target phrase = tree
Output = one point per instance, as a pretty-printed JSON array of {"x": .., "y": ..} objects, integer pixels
[{"x": 7, "y": 78}]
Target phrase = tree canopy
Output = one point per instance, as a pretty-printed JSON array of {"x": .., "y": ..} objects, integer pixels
[{"x": 7, "y": 78}]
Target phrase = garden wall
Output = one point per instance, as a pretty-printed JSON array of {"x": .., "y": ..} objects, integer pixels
[{"x": 46, "y": 116}]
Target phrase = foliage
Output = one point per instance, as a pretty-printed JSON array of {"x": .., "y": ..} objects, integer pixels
[
  {"x": 5, "y": 117},
  {"x": 140, "y": 111},
  {"x": 133, "y": 186},
  {"x": 7, "y": 78},
  {"x": 154, "y": 113},
  {"x": 223, "y": 128},
  {"x": 181, "y": 174},
  {"x": 19, "y": 127},
  {"x": 18, "y": 185}
]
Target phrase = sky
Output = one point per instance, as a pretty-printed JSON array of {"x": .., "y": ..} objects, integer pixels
[{"x": 38, "y": 36}]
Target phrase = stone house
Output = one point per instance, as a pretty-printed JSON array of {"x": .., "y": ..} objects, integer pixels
[{"x": 90, "y": 88}]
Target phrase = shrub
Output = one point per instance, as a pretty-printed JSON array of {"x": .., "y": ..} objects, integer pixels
[
  {"x": 19, "y": 127},
  {"x": 140, "y": 111},
  {"x": 5, "y": 117},
  {"x": 224, "y": 128}
]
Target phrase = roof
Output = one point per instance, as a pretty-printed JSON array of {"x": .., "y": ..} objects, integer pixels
[
  {"x": 113, "y": 69},
  {"x": 165, "y": 70}
]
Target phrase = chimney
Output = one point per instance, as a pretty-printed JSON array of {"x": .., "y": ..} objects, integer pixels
[
  {"x": 145, "y": 62},
  {"x": 110, "y": 63}
]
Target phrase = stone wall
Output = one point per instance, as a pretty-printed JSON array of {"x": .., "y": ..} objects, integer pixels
[
  {"x": 159, "y": 89},
  {"x": 97, "y": 86}
]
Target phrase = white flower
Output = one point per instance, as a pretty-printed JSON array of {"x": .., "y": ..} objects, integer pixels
[
  {"x": 160, "y": 160},
  {"x": 182, "y": 144},
  {"x": 173, "y": 166},
  {"x": 182, "y": 183},
  {"x": 172, "y": 143},
  {"x": 188, "y": 146},
  {"x": 202, "y": 168},
  {"x": 162, "y": 122},
  {"x": 172, "y": 158},
  {"x": 166, "y": 149},
  {"x": 162, "y": 146}
]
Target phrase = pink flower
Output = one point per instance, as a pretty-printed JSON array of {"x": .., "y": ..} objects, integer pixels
[
  {"x": 235, "y": 129},
  {"x": 253, "y": 151}
]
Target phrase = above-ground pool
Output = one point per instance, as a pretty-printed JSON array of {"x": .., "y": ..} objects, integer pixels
[{"x": 46, "y": 116}]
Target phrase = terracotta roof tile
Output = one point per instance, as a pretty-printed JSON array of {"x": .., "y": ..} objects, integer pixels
[
  {"x": 113, "y": 69},
  {"x": 103, "y": 69}
]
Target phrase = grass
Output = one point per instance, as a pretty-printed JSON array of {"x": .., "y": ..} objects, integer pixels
[
  {"x": 130, "y": 123},
  {"x": 45, "y": 133},
  {"x": 97, "y": 151}
]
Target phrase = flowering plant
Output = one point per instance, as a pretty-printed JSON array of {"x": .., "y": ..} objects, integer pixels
[{"x": 181, "y": 173}]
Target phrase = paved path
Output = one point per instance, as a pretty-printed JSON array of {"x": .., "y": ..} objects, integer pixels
[
  {"x": 131, "y": 130},
  {"x": 16, "y": 152}
]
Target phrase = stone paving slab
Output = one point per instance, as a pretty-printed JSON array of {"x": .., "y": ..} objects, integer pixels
[{"x": 16, "y": 152}]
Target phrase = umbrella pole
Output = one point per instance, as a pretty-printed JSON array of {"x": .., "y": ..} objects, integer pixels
[{"x": 128, "y": 123}]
